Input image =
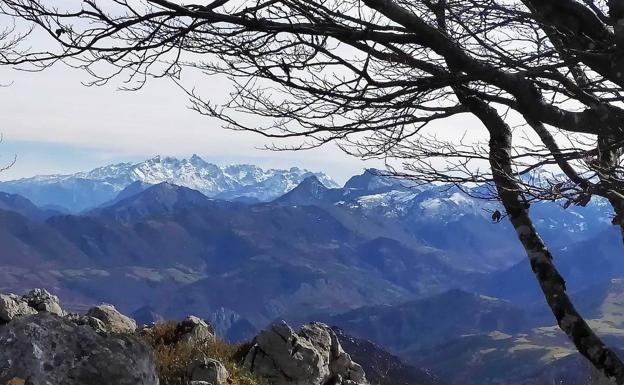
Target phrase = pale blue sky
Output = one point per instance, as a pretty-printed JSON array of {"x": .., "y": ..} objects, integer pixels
[{"x": 54, "y": 124}]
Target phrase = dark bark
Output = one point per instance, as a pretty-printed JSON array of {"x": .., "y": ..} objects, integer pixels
[
  {"x": 550, "y": 143},
  {"x": 541, "y": 260},
  {"x": 616, "y": 15},
  {"x": 585, "y": 33},
  {"x": 609, "y": 151},
  {"x": 528, "y": 98}
]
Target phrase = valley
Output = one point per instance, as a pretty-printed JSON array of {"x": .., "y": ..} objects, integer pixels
[{"x": 420, "y": 271}]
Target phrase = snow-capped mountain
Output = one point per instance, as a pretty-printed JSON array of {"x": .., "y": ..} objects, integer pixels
[
  {"x": 451, "y": 219},
  {"x": 393, "y": 198},
  {"x": 89, "y": 189},
  {"x": 449, "y": 204},
  {"x": 437, "y": 202}
]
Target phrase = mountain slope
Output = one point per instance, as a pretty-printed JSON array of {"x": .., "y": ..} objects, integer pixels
[
  {"x": 309, "y": 192},
  {"x": 180, "y": 252},
  {"x": 541, "y": 354},
  {"x": 409, "y": 327},
  {"x": 494, "y": 358},
  {"x": 448, "y": 218},
  {"x": 314, "y": 263},
  {"x": 27, "y": 243},
  {"x": 159, "y": 199},
  {"x": 23, "y": 206},
  {"x": 381, "y": 367},
  {"x": 580, "y": 272},
  {"x": 132, "y": 189}
]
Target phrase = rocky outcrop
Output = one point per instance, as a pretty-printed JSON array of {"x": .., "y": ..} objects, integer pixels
[
  {"x": 45, "y": 349},
  {"x": 312, "y": 356},
  {"x": 92, "y": 322},
  {"x": 44, "y": 345},
  {"x": 37, "y": 300},
  {"x": 194, "y": 330},
  {"x": 207, "y": 370},
  {"x": 42, "y": 300},
  {"x": 114, "y": 321},
  {"x": 13, "y": 306}
]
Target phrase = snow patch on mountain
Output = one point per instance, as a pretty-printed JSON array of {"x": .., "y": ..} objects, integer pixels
[
  {"x": 225, "y": 182},
  {"x": 203, "y": 176},
  {"x": 446, "y": 204},
  {"x": 392, "y": 203}
]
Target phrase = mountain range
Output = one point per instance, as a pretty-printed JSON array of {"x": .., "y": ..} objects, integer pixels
[
  {"x": 192, "y": 249},
  {"x": 419, "y": 270},
  {"x": 451, "y": 219},
  {"x": 84, "y": 190}
]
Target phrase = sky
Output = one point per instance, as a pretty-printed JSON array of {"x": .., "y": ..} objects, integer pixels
[{"x": 52, "y": 123}]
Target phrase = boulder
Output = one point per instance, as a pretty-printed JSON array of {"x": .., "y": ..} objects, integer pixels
[
  {"x": 313, "y": 356},
  {"x": 114, "y": 321},
  {"x": 45, "y": 349},
  {"x": 92, "y": 322},
  {"x": 42, "y": 300},
  {"x": 13, "y": 306},
  {"x": 194, "y": 330},
  {"x": 204, "y": 369}
]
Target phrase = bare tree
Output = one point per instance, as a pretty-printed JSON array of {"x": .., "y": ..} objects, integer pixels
[
  {"x": 378, "y": 75},
  {"x": 9, "y": 42}
]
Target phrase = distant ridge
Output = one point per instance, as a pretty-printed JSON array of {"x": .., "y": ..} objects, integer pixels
[
  {"x": 87, "y": 190},
  {"x": 158, "y": 199},
  {"x": 424, "y": 323},
  {"x": 24, "y": 207},
  {"x": 310, "y": 191},
  {"x": 131, "y": 190}
]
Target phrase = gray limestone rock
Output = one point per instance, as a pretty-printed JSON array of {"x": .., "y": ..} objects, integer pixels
[
  {"x": 44, "y": 349},
  {"x": 114, "y": 321},
  {"x": 312, "y": 356}
]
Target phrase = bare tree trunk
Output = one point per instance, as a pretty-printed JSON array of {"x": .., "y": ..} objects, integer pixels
[
  {"x": 550, "y": 281},
  {"x": 608, "y": 156}
]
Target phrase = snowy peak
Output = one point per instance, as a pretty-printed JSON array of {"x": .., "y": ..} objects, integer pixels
[
  {"x": 231, "y": 181},
  {"x": 93, "y": 188}
]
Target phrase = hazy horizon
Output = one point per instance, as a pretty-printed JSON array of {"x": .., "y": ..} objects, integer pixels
[
  {"x": 56, "y": 125},
  {"x": 138, "y": 159}
]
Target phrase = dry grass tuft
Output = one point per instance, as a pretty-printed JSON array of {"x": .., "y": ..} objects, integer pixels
[{"x": 172, "y": 357}]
